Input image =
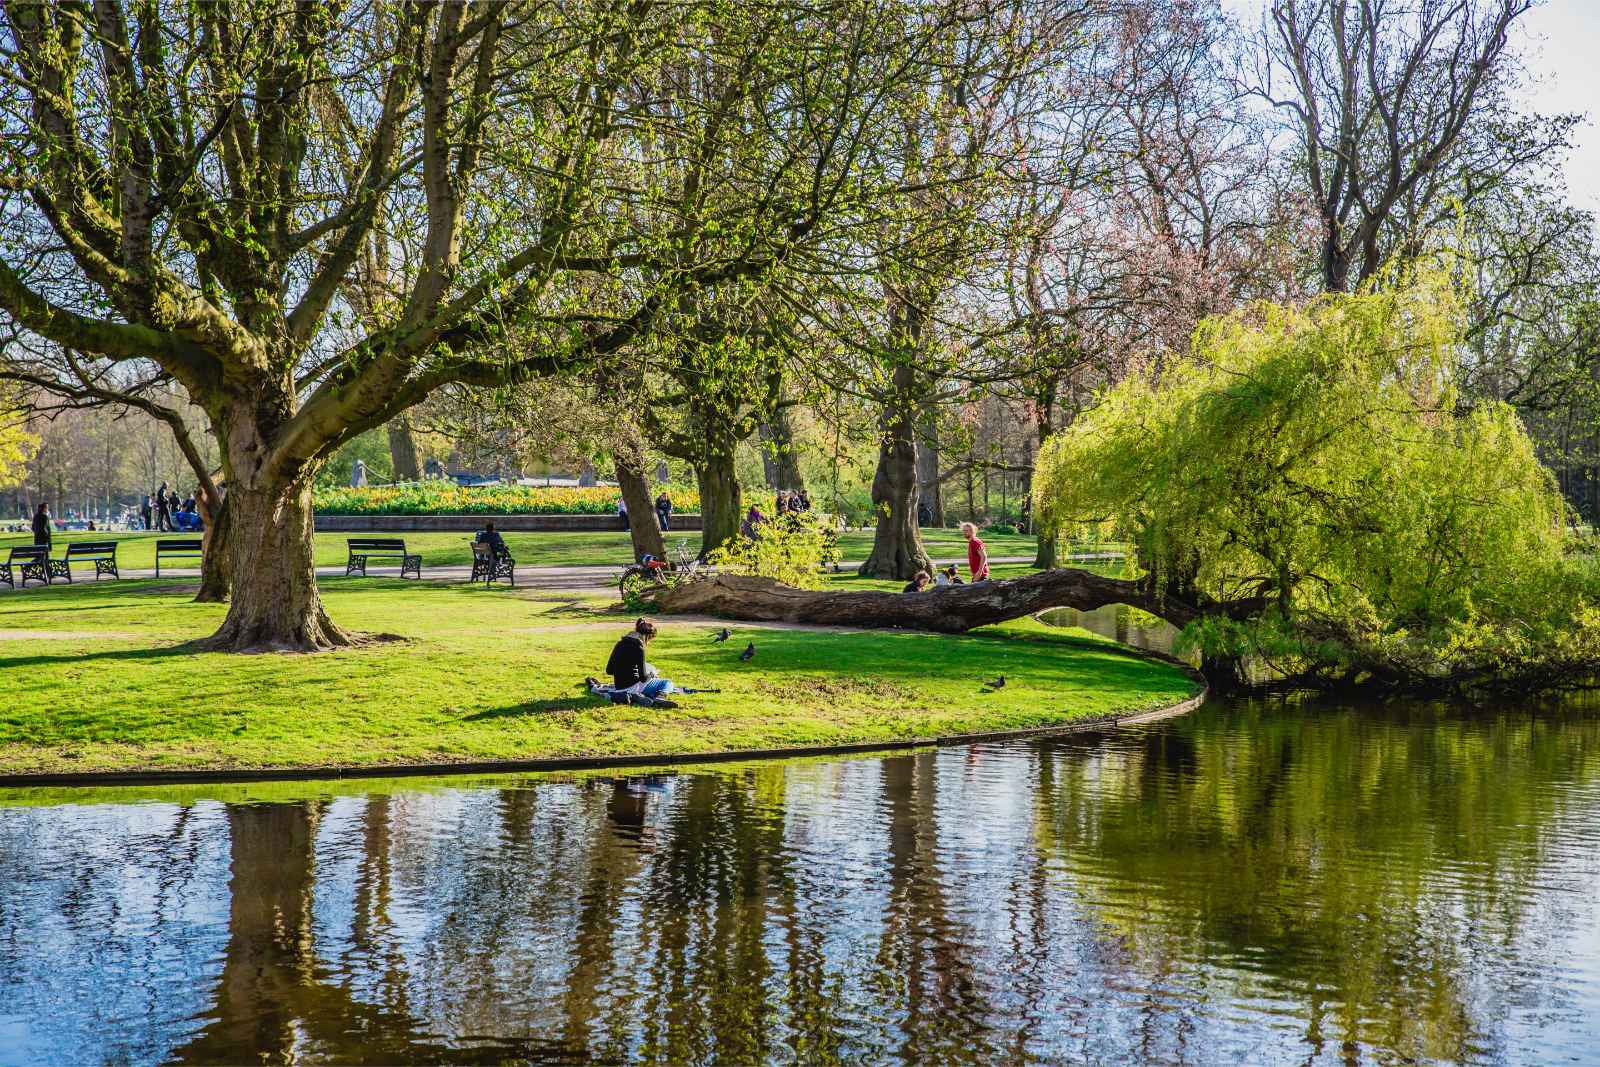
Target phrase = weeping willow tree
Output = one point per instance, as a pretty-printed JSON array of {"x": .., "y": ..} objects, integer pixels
[{"x": 1318, "y": 464}]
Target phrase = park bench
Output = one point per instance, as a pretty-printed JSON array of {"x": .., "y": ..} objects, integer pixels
[
  {"x": 24, "y": 562},
  {"x": 188, "y": 546},
  {"x": 363, "y": 549},
  {"x": 102, "y": 553},
  {"x": 487, "y": 565}
]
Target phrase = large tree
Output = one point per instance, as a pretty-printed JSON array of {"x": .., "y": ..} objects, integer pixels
[
  {"x": 1396, "y": 107},
  {"x": 191, "y": 184}
]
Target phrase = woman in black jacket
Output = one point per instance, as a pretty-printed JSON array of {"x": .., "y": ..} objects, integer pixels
[
  {"x": 41, "y": 525},
  {"x": 631, "y": 676}
]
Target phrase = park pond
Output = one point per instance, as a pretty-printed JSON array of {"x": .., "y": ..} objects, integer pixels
[{"x": 1259, "y": 881}]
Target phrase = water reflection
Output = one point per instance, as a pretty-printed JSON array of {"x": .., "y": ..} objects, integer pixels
[
  {"x": 1252, "y": 881},
  {"x": 1128, "y": 626}
]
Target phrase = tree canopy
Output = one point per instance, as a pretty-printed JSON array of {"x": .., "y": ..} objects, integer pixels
[{"x": 1313, "y": 480}]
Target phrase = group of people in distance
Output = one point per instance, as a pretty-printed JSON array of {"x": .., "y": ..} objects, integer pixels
[
  {"x": 164, "y": 514},
  {"x": 977, "y": 565},
  {"x": 663, "y": 511},
  {"x": 794, "y": 500},
  {"x": 787, "y": 502}
]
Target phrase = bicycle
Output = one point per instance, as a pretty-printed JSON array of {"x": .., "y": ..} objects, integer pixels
[{"x": 653, "y": 574}]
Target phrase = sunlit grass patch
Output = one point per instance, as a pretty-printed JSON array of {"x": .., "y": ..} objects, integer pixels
[{"x": 102, "y": 677}]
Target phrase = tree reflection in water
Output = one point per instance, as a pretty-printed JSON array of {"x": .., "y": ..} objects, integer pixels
[{"x": 1307, "y": 882}]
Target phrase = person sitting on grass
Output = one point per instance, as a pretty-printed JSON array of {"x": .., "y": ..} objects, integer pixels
[
  {"x": 948, "y": 576},
  {"x": 977, "y": 554},
  {"x": 917, "y": 584},
  {"x": 491, "y": 537},
  {"x": 633, "y": 680}
]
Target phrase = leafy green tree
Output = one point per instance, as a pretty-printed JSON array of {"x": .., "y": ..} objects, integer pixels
[
  {"x": 191, "y": 185},
  {"x": 1310, "y": 483}
]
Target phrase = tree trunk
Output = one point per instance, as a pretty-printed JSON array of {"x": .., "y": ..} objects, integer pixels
[
  {"x": 930, "y": 491},
  {"x": 950, "y": 609},
  {"x": 778, "y": 459},
  {"x": 275, "y": 606},
  {"x": 403, "y": 450},
  {"x": 897, "y": 550},
  {"x": 720, "y": 506},
  {"x": 1045, "y": 557},
  {"x": 216, "y": 560},
  {"x": 643, "y": 529}
]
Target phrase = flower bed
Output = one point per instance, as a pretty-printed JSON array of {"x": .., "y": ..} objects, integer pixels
[{"x": 447, "y": 498}]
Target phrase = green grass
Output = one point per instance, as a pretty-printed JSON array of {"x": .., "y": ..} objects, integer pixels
[
  {"x": 136, "y": 551},
  {"x": 97, "y": 678}
]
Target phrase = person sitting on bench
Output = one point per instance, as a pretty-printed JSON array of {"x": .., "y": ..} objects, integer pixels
[
  {"x": 491, "y": 537},
  {"x": 633, "y": 680}
]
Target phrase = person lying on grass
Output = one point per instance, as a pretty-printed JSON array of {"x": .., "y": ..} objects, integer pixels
[{"x": 634, "y": 681}]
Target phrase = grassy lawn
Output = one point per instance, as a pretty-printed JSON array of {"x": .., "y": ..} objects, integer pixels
[
  {"x": 603, "y": 548},
  {"x": 96, "y": 678}
]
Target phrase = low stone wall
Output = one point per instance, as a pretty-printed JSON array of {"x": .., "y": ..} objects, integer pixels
[{"x": 471, "y": 523}]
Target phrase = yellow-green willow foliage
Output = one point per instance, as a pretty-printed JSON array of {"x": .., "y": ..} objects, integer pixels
[
  {"x": 16, "y": 443},
  {"x": 1319, "y": 457}
]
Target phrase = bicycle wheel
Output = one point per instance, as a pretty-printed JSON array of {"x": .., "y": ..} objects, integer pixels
[{"x": 636, "y": 580}]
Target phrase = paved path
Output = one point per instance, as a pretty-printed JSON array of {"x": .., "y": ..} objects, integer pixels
[{"x": 568, "y": 577}]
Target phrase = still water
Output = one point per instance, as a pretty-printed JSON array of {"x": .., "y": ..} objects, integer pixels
[{"x": 1258, "y": 882}]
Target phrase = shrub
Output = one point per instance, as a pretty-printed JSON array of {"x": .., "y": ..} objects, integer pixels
[{"x": 790, "y": 549}]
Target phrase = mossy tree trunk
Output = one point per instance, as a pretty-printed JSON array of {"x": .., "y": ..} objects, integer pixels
[
  {"x": 721, "y": 509},
  {"x": 779, "y": 460},
  {"x": 643, "y": 529},
  {"x": 403, "y": 450},
  {"x": 930, "y": 490},
  {"x": 216, "y": 561},
  {"x": 275, "y": 606},
  {"x": 897, "y": 550},
  {"x": 1045, "y": 556}
]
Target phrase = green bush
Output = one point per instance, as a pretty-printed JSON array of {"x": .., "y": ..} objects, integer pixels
[{"x": 790, "y": 549}]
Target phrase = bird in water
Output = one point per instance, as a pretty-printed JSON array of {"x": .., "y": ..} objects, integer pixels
[
  {"x": 749, "y": 652},
  {"x": 998, "y": 683},
  {"x": 722, "y": 635}
]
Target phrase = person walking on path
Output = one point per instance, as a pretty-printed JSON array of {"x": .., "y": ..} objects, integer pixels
[
  {"x": 41, "y": 525},
  {"x": 977, "y": 554},
  {"x": 146, "y": 512},
  {"x": 622, "y": 512},
  {"x": 163, "y": 511},
  {"x": 664, "y": 511}
]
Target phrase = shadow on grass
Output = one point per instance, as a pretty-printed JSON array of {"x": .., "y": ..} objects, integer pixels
[
  {"x": 113, "y": 655},
  {"x": 535, "y": 707}
]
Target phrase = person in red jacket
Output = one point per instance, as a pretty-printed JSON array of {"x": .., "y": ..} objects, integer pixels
[{"x": 977, "y": 554}]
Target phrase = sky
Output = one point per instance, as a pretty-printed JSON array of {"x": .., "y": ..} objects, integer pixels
[{"x": 1559, "y": 41}]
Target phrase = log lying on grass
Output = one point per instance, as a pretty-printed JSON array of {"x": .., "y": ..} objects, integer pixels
[{"x": 943, "y": 609}]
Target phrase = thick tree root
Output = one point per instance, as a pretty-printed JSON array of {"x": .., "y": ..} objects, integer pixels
[{"x": 316, "y": 633}]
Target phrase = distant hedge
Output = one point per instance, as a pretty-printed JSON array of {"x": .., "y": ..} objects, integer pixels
[{"x": 447, "y": 498}]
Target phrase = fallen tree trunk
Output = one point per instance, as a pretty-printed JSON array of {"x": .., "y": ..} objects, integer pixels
[{"x": 942, "y": 609}]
